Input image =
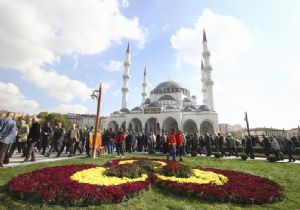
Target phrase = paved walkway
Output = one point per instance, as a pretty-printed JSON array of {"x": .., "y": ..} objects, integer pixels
[{"x": 17, "y": 160}]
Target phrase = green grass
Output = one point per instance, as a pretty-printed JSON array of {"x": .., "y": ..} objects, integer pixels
[{"x": 287, "y": 175}]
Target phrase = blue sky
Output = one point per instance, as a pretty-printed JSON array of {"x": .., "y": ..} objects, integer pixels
[{"x": 54, "y": 54}]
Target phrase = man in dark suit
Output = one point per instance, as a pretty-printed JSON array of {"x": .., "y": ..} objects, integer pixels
[{"x": 33, "y": 137}]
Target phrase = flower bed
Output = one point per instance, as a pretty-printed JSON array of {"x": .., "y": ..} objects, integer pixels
[
  {"x": 82, "y": 185},
  {"x": 237, "y": 187},
  {"x": 54, "y": 185}
]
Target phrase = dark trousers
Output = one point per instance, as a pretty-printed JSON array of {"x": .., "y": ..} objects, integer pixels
[
  {"x": 120, "y": 149},
  {"x": 45, "y": 143},
  {"x": 31, "y": 151},
  {"x": 76, "y": 146},
  {"x": 61, "y": 147},
  {"x": 180, "y": 151},
  {"x": 232, "y": 151},
  {"x": 87, "y": 148},
  {"x": 3, "y": 148},
  {"x": 221, "y": 149},
  {"x": 208, "y": 150},
  {"x": 249, "y": 152},
  {"x": 290, "y": 154},
  {"x": 12, "y": 149},
  {"x": 54, "y": 147}
]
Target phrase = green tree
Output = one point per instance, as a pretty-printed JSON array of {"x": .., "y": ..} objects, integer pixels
[{"x": 54, "y": 118}]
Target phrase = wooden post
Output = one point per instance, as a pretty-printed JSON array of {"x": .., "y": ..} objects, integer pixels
[
  {"x": 247, "y": 123},
  {"x": 97, "y": 121}
]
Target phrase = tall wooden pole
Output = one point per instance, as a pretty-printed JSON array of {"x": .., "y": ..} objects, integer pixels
[
  {"x": 97, "y": 121},
  {"x": 247, "y": 123}
]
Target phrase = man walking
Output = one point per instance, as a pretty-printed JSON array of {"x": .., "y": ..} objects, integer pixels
[
  {"x": 172, "y": 145},
  {"x": 119, "y": 141},
  {"x": 33, "y": 138},
  {"x": 179, "y": 144},
  {"x": 8, "y": 132}
]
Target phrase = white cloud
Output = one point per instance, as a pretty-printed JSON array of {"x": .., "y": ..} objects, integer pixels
[
  {"x": 294, "y": 74},
  {"x": 251, "y": 73},
  {"x": 43, "y": 31},
  {"x": 13, "y": 100},
  {"x": 230, "y": 38},
  {"x": 112, "y": 66},
  {"x": 70, "y": 108}
]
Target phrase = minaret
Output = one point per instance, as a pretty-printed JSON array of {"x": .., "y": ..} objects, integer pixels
[
  {"x": 126, "y": 77},
  {"x": 207, "y": 83},
  {"x": 144, "y": 94}
]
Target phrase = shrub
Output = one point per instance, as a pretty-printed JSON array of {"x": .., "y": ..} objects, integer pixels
[
  {"x": 194, "y": 153},
  {"x": 177, "y": 170},
  {"x": 272, "y": 159},
  {"x": 244, "y": 157},
  {"x": 125, "y": 170},
  {"x": 147, "y": 165},
  {"x": 217, "y": 155}
]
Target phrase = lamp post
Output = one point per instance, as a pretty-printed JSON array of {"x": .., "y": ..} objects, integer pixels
[{"x": 96, "y": 95}]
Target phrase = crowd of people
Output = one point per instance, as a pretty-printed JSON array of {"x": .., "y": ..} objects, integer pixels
[{"x": 31, "y": 137}]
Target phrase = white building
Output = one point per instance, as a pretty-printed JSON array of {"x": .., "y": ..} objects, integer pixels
[{"x": 169, "y": 105}]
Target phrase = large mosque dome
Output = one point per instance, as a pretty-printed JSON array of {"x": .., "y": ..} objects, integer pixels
[
  {"x": 170, "y": 87},
  {"x": 168, "y": 84}
]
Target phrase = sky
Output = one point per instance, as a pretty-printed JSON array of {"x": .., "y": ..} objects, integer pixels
[{"x": 53, "y": 54}]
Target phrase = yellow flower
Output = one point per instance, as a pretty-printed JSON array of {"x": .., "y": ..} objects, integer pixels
[
  {"x": 200, "y": 177},
  {"x": 96, "y": 176},
  {"x": 132, "y": 161},
  {"x": 126, "y": 162}
]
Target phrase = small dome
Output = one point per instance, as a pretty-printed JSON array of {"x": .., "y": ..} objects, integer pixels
[
  {"x": 124, "y": 110},
  {"x": 189, "y": 108},
  {"x": 187, "y": 99},
  {"x": 167, "y": 97},
  {"x": 154, "y": 104},
  {"x": 204, "y": 108},
  {"x": 137, "y": 109},
  {"x": 116, "y": 112},
  {"x": 194, "y": 96},
  {"x": 171, "y": 107},
  {"x": 147, "y": 101}
]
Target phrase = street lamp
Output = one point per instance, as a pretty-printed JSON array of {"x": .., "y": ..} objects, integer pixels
[{"x": 96, "y": 95}]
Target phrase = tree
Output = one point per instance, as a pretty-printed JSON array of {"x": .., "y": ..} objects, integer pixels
[{"x": 54, "y": 118}]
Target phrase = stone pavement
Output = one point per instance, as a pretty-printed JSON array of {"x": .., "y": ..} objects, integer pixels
[{"x": 17, "y": 160}]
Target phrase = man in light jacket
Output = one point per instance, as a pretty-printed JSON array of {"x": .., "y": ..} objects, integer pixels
[{"x": 8, "y": 133}]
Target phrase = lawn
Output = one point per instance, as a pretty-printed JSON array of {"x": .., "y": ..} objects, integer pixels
[{"x": 286, "y": 174}]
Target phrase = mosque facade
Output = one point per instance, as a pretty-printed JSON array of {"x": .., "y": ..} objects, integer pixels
[{"x": 169, "y": 104}]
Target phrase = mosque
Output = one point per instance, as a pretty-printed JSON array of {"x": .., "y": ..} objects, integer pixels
[{"x": 169, "y": 105}]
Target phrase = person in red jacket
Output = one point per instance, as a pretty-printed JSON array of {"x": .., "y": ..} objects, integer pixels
[
  {"x": 172, "y": 145},
  {"x": 119, "y": 141},
  {"x": 179, "y": 143}
]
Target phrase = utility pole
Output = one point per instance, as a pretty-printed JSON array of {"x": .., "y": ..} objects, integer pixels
[
  {"x": 247, "y": 123},
  {"x": 97, "y": 120}
]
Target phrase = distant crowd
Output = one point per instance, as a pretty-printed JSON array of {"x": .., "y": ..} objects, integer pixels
[{"x": 31, "y": 137}]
